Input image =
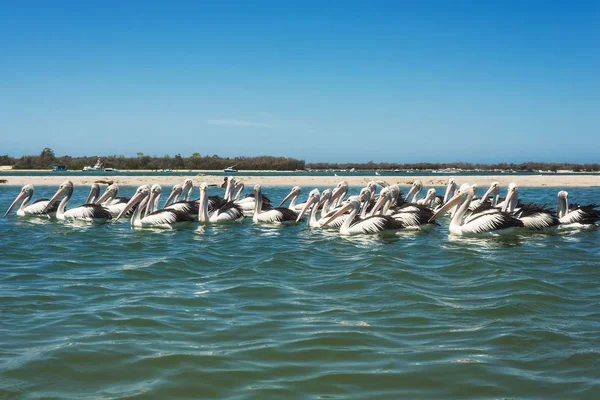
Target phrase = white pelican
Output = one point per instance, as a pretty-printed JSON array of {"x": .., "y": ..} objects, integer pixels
[
  {"x": 88, "y": 212},
  {"x": 277, "y": 215},
  {"x": 491, "y": 221},
  {"x": 36, "y": 209},
  {"x": 239, "y": 188},
  {"x": 186, "y": 189},
  {"x": 339, "y": 194},
  {"x": 111, "y": 202},
  {"x": 315, "y": 200},
  {"x": 575, "y": 216},
  {"x": 495, "y": 190},
  {"x": 430, "y": 200},
  {"x": 293, "y": 195},
  {"x": 533, "y": 217},
  {"x": 163, "y": 219},
  {"x": 369, "y": 225},
  {"x": 411, "y": 215},
  {"x": 415, "y": 190},
  {"x": 227, "y": 212},
  {"x": 450, "y": 189},
  {"x": 154, "y": 199},
  {"x": 174, "y": 196}
]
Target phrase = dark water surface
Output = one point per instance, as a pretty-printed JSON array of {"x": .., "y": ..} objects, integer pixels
[{"x": 248, "y": 311}]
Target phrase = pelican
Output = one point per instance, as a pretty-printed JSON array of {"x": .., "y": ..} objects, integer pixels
[
  {"x": 495, "y": 190},
  {"x": 162, "y": 219},
  {"x": 415, "y": 190},
  {"x": 154, "y": 199},
  {"x": 277, "y": 215},
  {"x": 88, "y": 212},
  {"x": 293, "y": 195},
  {"x": 411, "y": 215},
  {"x": 248, "y": 203},
  {"x": 430, "y": 200},
  {"x": 314, "y": 200},
  {"x": 239, "y": 188},
  {"x": 111, "y": 202},
  {"x": 227, "y": 212},
  {"x": 174, "y": 196},
  {"x": 186, "y": 189},
  {"x": 489, "y": 221},
  {"x": 533, "y": 217},
  {"x": 339, "y": 194},
  {"x": 575, "y": 216},
  {"x": 369, "y": 225},
  {"x": 36, "y": 209}
]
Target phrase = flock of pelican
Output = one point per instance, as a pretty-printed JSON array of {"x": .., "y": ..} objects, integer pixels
[{"x": 372, "y": 211}]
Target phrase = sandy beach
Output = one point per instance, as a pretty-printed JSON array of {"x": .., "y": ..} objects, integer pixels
[{"x": 558, "y": 180}]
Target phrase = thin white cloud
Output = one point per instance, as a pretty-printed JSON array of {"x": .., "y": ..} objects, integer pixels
[{"x": 237, "y": 122}]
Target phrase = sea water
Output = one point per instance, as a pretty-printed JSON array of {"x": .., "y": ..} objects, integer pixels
[{"x": 248, "y": 311}]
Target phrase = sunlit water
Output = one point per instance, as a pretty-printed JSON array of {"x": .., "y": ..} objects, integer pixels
[{"x": 248, "y": 311}]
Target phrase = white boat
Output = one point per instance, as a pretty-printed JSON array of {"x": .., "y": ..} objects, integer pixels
[
  {"x": 108, "y": 169},
  {"x": 96, "y": 167},
  {"x": 230, "y": 169}
]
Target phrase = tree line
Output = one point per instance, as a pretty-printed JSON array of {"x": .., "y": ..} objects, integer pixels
[{"x": 47, "y": 159}]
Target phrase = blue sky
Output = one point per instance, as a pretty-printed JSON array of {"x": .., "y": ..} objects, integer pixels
[{"x": 331, "y": 81}]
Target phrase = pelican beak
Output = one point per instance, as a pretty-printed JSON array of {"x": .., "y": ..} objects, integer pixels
[
  {"x": 170, "y": 198},
  {"x": 132, "y": 202},
  {"x": 59, "y": 193},
  {"x": 410, "y": 192},
  {"x": 20, "y": 197},
  {"x": 488, "y": 193},
  {"x": 150, "y": 202},
  {"x": 312, "y": 200},
  {"x": 380, "y": 202},
  {"x": 339, "y": 212},
  {"x": 289, "y": 196},
  {"x": 103, "y": 198},
  {"x": 337, "y": 192},
  {"x": 446, "y": 207}
]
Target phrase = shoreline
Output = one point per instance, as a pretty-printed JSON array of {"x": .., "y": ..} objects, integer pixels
[{"x": 308, "y": 182}]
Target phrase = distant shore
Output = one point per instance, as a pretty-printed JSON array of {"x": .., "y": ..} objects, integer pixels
[{"x": 558, "y": 180}]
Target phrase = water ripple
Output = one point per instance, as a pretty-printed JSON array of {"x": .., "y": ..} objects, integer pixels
[{"x": 249, "y": 311}]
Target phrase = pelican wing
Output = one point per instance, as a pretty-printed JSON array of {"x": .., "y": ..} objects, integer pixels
[
  {"x": 376, "y": 224},
  {"x": 490, "y": 220},
  {"x": 581, "y": 214},
  {"x": 166, "y": 217},
  {"x": 88, "y": 212},
  {"x": 38, "y": 206}
]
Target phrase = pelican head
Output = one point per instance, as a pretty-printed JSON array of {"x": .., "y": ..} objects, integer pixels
[
  {"x": 511, "y": 197},
  {"x": 353, "y": 203},
  {"x": 110, "y": 193},
  {"x": 314, "y": 197},
  {"x": 188, "y": 185},
  {"x": 296, "y": 190},
  {"x": 464, "y": 193},
  {"x": 155, "y": 193},
  {"x": 141, "y": 193},
  {"x": 416, "y": 187},
  {"x": 562, "y": 206},
  {"x": 25, "y": 193},
  {"x": 384, "y": 196},
  {"x": 65, "y": 189},
  {"x": 174, "y": 195}
]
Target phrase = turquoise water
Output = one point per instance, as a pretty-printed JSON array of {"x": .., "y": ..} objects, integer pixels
[{"x": 250, "y": 311}]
